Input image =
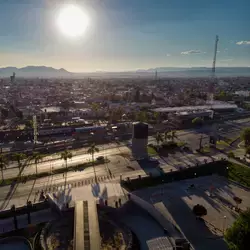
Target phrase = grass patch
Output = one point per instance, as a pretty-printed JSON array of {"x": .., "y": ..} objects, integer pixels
[
  {"x": 152, "y": 151},
  {"x": 222, "y": 144},
  {"x": 25, "y": 178},
  {"x": 230, "y": 140},
  {"x": 181, "y": 144},
  {"x": 205, "y": 149},
  {"x": 239, "y": 173}
]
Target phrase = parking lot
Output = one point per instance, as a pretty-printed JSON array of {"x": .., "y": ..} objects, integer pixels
[{"x": 213, "y": 192}]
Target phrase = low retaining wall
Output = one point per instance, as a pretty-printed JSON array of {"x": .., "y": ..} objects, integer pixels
[
  {"x": 153, "y": 212},
  {"x": 163, "y": 221},
  {"x": 23, "y": 210}
]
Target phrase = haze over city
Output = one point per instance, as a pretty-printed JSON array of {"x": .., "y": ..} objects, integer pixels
[
  {"x": 124, "y": 124},
  {"x": 125, "y": 35}
]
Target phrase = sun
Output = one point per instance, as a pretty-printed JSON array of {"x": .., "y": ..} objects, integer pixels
[{"x": 72, "y": 21}]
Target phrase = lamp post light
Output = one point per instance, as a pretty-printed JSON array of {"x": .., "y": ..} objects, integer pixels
[{"x": 224, "y": 224}]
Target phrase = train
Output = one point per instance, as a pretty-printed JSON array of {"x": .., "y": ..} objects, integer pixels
[{"x": 27, "y": 134}]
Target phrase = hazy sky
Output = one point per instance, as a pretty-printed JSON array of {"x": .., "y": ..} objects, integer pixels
[{"x": 126, "y": 34}]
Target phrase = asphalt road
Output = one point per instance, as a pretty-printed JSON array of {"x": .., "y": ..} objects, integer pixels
[
  {"x": 110, "y": 172},
  {"x": 59, "y": 163}
]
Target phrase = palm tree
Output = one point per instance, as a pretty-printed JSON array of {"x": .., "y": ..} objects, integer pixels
[
  {"x": 167, "y": 136},
  {"x": 173, "y": 135},
  {"x": 95, "y": 107},
  {"x": 3, "y": 164},
  {"x": 37, "y": 157},
  {"x": 156, "y": 116},
  {"x": 142, "y": 116},
  {"x": 65, "y": 155},
  {"x": 18, "y": 157},
  {"x": 92, "y": 150},
  {"x": 158, "y": 138}
]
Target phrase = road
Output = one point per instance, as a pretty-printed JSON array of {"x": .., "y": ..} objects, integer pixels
[
  {"x": 59, "y": 163},
  {"x": 110, "y": 172}
]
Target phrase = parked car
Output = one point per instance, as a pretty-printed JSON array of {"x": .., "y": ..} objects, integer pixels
[{"x": 100, "y": 158}]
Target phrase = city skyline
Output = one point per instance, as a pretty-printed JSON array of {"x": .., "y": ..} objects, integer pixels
[{"x": 124, "y": 36}]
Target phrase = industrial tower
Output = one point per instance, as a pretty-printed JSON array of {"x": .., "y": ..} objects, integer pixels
[
  {"x": 213, "y": 80},
  {"x": 213, "y": 135}
]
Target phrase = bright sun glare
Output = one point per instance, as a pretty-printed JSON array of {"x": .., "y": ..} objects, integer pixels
[{"x": 72, "y": 21}]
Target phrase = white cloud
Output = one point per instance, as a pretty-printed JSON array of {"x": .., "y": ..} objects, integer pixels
[
  {"x": 243, "y": 43},
  {"x": 218, "y": 51},
  {"x": 168, "y": 55},
  {"x": 189, "y": 52}
]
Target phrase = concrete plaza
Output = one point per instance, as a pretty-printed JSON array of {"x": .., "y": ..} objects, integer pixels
[{"x": 214, "y": 193}]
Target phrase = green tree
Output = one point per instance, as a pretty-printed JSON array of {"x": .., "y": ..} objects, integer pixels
[
  {"x": 248, "y": 150},
  {"x": 142, "y": 116},
  {"x": 245, "y": 136},
  {"x": 65, "y": 155},
  {"x": 159, "y": 139},
  {"x": 167, "y": 136},
  {"x": 28, "y": 124},
  {"x": 156, "y": 116},
  {"x": 95, "y": 107},
  {"x": 231, "y": 154},
  {"x": 199, "y": 210},
  {"x": 120, "y": 113},
  {"x": 3, "y": 164},
  {"x": 37, "y": 157},
  {"x": 19, "y": 157},
  {"x": 92, "y": 150},
  {"x": 237, "y": 200},
  {"x": 173, "y": 135},
  {"x": 238, "y": 235}
]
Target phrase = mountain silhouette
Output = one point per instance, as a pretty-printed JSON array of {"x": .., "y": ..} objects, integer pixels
[
  {"x": 49, "y": 72},
  {"x": 34, "y": 71}
]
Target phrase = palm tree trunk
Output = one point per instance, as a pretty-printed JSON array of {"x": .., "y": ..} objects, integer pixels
[
  {"x": 94, "y": 167},
  {"x": 2, "y": 174}
]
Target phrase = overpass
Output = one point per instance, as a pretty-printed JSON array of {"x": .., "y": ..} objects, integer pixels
[{"x": 86, "y": 226}]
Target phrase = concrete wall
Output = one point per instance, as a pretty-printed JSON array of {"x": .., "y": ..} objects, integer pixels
[
  {"x": 160, "y": 214},
  {"x": 153, "y": 212}
]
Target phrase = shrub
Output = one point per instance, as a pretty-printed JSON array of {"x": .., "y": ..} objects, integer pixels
[{"x": 199, "y": 210}]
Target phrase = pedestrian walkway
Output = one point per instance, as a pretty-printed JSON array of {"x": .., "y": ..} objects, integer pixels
[
  {"x": 110, "y": 193},
  {"x": 79, "y": 183}
]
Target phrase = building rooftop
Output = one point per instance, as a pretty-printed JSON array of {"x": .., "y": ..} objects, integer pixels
[{"x": 193, "y": 108}]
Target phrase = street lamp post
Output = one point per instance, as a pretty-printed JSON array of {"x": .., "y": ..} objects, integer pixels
[{"x": 224, "y": 224}]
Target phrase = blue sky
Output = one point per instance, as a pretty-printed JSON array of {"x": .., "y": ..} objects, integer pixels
[{"x": 126, "y": 34}]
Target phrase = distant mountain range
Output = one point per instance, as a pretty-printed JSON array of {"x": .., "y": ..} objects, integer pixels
[
  {"x": 49, "y": 72},
  {"x": 34, "y": 71}
]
